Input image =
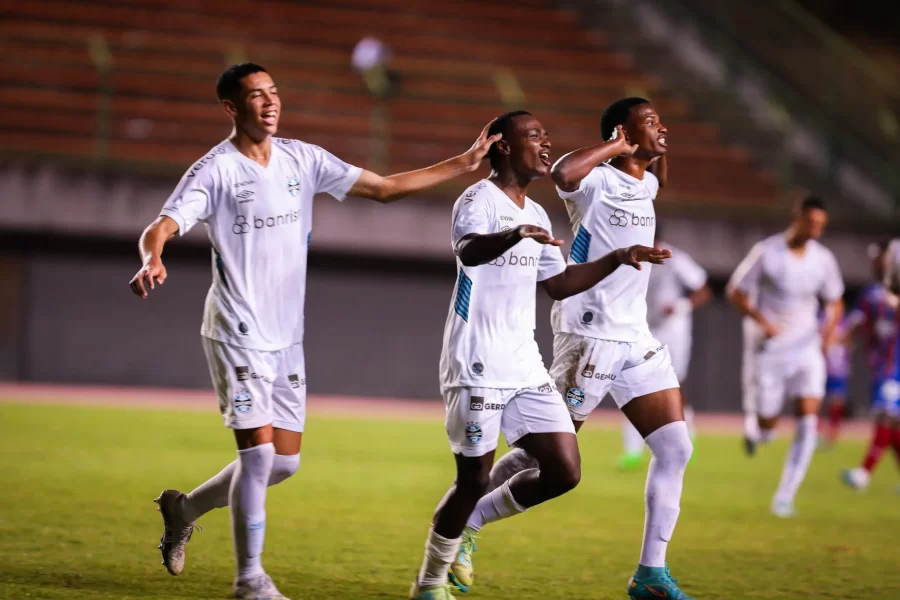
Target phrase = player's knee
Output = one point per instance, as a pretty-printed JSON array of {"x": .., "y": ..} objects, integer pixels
[
  {"x": 283, "y": 467},
  {"x": 563, "y": 476},
  {"x": 676, "y": 451}
]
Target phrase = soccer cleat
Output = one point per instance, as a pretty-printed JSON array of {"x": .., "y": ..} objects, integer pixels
[
  {"x": 628, "y": 461},
  {"x": 462, "y": 574},
  {"x": 176, "y": 530},
  {"x": 857, "y": 478},
  {"x": 430, "y": 592},
  {"x": 749, "y": 446},
  {"x": 783, "y": 509},
  {"x": 650, "y": 583},
  {"x": 260, "y": 587}
]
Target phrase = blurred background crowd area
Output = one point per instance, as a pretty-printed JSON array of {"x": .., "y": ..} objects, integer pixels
[{"x": 106, "y": 103}]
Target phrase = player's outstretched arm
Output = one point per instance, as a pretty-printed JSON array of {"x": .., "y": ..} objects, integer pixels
[
  {"x": 479, "y": 249},
  {"x": 580, "y": 278},
  {"x": 393, "y": 187},
  {"x": 150, "y": 247},
  {"x": 569, "y": 170}
]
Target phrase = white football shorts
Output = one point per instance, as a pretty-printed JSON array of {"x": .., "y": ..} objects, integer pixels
[
  {"x": 476, "y": 416},
  {"x": 257, "y": 388},
  {"x": 587, "y": 369},
  {"x": 771, "y": 378}
]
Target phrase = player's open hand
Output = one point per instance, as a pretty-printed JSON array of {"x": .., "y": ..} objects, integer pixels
[
  {"x": 148, "y": 277},
  {"x": 635, "y": 255},
  {"x": 626, "y": 148},
  {"x": 479, "y": 149},
  {"x": 538, "y": 234}
]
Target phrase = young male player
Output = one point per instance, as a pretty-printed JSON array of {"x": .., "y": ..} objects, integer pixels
[
  {"x": 778, "y": 287},
  {"x": 877, "y": 319},
  {"x": 254, "y": 193},
  {"x": 673, "y": 294},
  {"x": 492, "y": 374},
  {"x": 601, "y": 339}
]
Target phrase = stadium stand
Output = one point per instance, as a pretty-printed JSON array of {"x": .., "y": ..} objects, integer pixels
[{"x": 80, "y": 81}]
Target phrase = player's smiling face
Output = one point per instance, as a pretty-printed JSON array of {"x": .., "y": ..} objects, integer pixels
[
  {"x": 529, "y": 147},
  {"x": 645, "y": 129},
  {"x": 258, "y": 108}
]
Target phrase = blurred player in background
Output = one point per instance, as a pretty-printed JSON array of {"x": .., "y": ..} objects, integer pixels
[
  {"x": 254, "y": 193},
  {"x": 876, "y": 321},
  {"x": 673, "y": 294},
  {"x": 837, "y": 379},
  {"x": 602, "y": 343},
  {"x": 492, "y": 376},
  {"x": 778, "y": 287}
]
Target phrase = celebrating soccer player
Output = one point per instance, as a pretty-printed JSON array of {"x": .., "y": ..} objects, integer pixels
[
  {"x": 254, "y": 193},
  {"x": 602, "y": 343},
  {"x": 492, "y": 375}
]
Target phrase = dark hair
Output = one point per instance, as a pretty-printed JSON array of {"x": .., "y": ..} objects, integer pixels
[
  {"x": 501, "y": 125},
  {"x": 617, "y": 114},
  {"x": 228, "y": 86},
  {"x": 811, "y": 202}
]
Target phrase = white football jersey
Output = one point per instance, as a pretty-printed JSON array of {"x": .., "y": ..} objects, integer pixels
[
  {"x": 668, "y": 284},
  {"x": 489, "y": 336},
  {"x": 786, "y": 289},
  {"x": 609, "y": 210},
  {"x": 259, "y": 221}
]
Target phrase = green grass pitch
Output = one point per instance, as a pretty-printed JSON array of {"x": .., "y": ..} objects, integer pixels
[{"x": 78, "y": 521}]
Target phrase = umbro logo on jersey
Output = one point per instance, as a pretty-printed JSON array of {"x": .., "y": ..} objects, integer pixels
[{"x": 245, "y": 196}]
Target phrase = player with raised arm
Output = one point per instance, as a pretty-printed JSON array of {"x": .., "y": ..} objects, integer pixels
[
  {"x": 602, "y": 342},
  {"x": 876, "y": 320},
  {"x": 254, "y": 193},
  {"x": 777, "y": 288},
  {"x": 492, "y": 376},
  {"x": 673, "y": 294}
]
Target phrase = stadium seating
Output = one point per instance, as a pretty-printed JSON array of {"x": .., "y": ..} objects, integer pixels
[{"x": 133, "y": 84}]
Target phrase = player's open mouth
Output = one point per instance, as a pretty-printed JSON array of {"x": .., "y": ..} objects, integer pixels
[
  {"x": 663, "y": 141},
  {"x": 270, "y": 117},
  {"x": 545, "y": 157}
]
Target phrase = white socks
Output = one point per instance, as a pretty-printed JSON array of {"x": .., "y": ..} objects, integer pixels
[
  {"x": 248, "y": 508},
  {"x": 798, "y": 458},
  {"x": 439, "y": 553},
  {"x": 671, "y": 448},
  {"x": 751, "y": 426},
  {"x": 632, "y": 442},
  {"x": 214, "y": 492},
  {"x": 493, "y": 506}
]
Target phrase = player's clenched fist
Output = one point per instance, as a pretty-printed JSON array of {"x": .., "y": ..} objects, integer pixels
[{"x": 150, "y": 274}]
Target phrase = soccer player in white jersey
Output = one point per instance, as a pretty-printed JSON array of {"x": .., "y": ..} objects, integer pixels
[
  {"x": 254, "y": 193},
  {"x": 778, "y": 287},
  {"x": 673, "y": 294},
  {"x": 492, "y": 376},
  {"x": 602, "y": 343}
]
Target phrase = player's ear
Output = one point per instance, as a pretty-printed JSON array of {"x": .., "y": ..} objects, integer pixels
[
  {"x": 229, "y": 107},
  {"x": 502, "y": 147}
]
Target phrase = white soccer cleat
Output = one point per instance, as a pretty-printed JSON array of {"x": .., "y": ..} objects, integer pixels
[
  {"x": 857, "y": 478},
  {"x": 783, "y": 509},
  {"x": 176, "y": 530},
  {"x": 260, "y": 587}
]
